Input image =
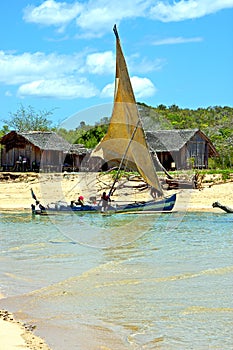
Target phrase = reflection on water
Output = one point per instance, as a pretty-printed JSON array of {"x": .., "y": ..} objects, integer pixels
[
  {"x": 106, "y": 231},
  {"x": 161, "y": 288}
]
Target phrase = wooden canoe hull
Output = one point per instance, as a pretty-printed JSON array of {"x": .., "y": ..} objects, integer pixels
[{"x": 163, "y": 205}]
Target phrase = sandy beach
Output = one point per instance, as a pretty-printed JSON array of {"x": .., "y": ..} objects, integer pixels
[
  {"x": 15, "y": 190},
  {"x": 14, "y": 335},
  {"x": 15, "y": 195}
]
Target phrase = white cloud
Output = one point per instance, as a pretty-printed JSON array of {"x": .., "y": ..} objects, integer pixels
[
  {"x": 66, "y": 88},
  {"x": 143, "y": 88},
  {"x": 99, "y": 15},
  {"x": 105, "y": 63},
  {"x": 93, "y": 17},
  {"x": 62, "y": 76},
  {"x": 16, "y": 69},
  {"x": 51, "y": 12},
  {"x": 100, "y": 63},
  {"x": 46, "y": 75},
  {"x": 145, "y": 65},
  {"x": 177, "y": 40},
  {"x": 108, "y": 90},
  {"x": 183, "y": 10}
]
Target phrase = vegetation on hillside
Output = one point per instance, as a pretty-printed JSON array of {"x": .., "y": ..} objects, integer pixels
[
  {"x": 215, "y": 122},
  {"x": 74, "y": 134},
  {"x": 91, "y": 138},
  {"x": 88, "y": 135}
]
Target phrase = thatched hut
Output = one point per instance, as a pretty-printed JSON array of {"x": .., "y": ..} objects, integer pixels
[
  {"x": 34, "y": 150},
  {"x": 181, "y": 149}
]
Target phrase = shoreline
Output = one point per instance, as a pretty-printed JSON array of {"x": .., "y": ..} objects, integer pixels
[
  {"x": 15, "y": 191},
  {"x": 189, "y": 209},
  {"x": 16, "y": 335}
]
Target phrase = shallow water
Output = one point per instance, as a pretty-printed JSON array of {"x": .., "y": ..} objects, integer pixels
[{"x": 121, "y": 281}]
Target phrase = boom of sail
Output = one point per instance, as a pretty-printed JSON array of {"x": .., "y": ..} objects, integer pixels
[{"x": 125, "y": 142}]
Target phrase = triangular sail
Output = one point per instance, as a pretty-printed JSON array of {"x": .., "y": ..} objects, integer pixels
[{"x": 125, "y": 132}]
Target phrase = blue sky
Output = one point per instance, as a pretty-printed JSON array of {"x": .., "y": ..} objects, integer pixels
[{"x": 60, "y": 55}]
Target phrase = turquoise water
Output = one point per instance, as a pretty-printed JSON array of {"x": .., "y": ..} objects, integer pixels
[{"x": 121, "y": 281}]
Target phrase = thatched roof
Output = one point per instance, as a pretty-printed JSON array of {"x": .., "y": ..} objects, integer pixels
[
  {"x": 173, "y": 140},
  {"x": 79, "y": 149},
  {"x": 44, "y": 140},
  {"x": 169, "y": 140}
]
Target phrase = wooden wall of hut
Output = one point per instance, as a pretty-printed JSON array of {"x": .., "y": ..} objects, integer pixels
[
  {"x": 52, "y": 161},
  {"x": 11, "y": 157}
]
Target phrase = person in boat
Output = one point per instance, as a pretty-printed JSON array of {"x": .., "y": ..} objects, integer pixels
[
  {"x": 80, "y": 201},
  {"x": 105, "y": 199},
  {"x": 155, "y": 193},
  {"x": 39, "y": 207}
]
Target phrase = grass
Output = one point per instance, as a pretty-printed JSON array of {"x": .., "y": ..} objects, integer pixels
[{"x": 226, "y": 174}]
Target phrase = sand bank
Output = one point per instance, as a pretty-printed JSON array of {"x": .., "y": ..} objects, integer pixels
[{"x": 15, "y": 193}]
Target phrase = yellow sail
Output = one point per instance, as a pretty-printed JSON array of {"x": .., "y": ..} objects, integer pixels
[{"x": 125, "y": 138}]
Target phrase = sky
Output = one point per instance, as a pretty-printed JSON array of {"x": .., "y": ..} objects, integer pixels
[{"x": 59, "y": 56}]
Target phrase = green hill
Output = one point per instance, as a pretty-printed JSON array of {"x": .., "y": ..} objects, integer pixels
[{"x": 216, "y": 122}]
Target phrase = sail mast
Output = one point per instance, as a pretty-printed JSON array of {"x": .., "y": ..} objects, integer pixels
[
  {"x": 134, "y": 131},
  {"x": 115, "y": 31},
  {"x": 131, "y": 139}
]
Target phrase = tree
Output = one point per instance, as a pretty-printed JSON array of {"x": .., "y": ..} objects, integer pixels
[
  {"x": 174, "y": 108},
  {"x": 27, "y": 119},
  {"x": 103, "y": 121},
  {"x": 91, "y": 137},
  {"x": 4, "y": 130},
  {"x": 82, "y": 125},
  {"x": 162, "y": 107}
]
